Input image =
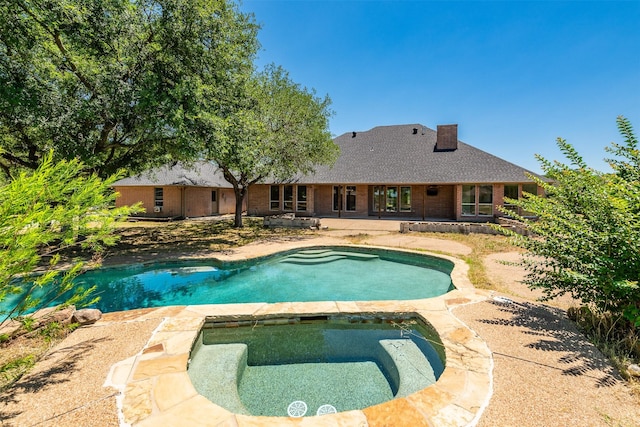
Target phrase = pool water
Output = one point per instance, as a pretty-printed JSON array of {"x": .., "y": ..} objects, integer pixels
[
  {"x": 347, "y": 362},
  {"x": 318, "y": 274}
]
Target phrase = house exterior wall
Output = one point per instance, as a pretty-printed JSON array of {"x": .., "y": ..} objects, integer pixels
[
  {"x": 227, "y": 201},
  {"x": 178, "y": 201},
  {"x": 434, "y": 201},
  {"x": 428, "y": 202},
  {"x": 197, "y": 202},
  {"x": 128, "y": 196},
  {"x": 258, "y": 200},
  {"x": 171, "y": 200}
]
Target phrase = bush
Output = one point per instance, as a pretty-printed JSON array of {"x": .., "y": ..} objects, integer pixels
[
  {"x": 43, "y": 213},
  {"x": 586, "y": 240}
]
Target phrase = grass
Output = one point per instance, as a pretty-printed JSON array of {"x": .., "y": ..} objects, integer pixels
[
  {"x": 481, "y": 246},
  {"x": 191, "y": 236}
]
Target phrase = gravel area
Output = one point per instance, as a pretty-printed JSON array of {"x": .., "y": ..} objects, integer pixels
[
  {"x": 66, "y": 387},
  {"x": 545, "y": 372}
]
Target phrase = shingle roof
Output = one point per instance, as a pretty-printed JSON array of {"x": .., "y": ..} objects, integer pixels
[
  {"x": 394, "y": 154},
  {"x": 198, "y": 174}
]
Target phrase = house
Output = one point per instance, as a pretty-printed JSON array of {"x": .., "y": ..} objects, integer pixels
[
  {"x": 403, "y": 171},
  {"x": 178, "y": 191}
]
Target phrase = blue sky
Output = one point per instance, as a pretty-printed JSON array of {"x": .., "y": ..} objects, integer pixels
[{"x": 514, "y": 75}]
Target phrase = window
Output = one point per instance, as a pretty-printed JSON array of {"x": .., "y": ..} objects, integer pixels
[
  {"x": 387, "y": 199},
  {"x": 337, "y": 199},
  {"x": 288, "y": 197},
  {"x": 301, "y": 204},
  {"x": 214, "y": 196},
  {"x": 351, "y": 197},
  {"x": 485, "y": 200},
  {"x": 468, "y": 200},
  {"x": 531, "y": 189},
  {"x": 482, "y": 194},
  {"x": 392, "y": 199},
  {"x": 274, "y": 198},
  {"x": 378, "y": 198},
  {"x": 158, "y": 197},
  {"x": 405, "y": 199},
  {"x": 511, "y": 192}
]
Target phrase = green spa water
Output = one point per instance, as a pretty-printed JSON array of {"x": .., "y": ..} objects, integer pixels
[{"x": 261, "y": 367}]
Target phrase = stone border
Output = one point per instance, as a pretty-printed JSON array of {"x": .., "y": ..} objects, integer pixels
[{"x": 157, "y": 390}]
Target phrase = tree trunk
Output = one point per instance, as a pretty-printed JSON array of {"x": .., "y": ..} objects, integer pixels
[{"x": 239, "y": 193}]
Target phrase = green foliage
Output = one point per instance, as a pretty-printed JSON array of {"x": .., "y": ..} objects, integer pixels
[
  {"x": 110, "y": 82},
  {"x": 273, "y": 129},
  {"x": 587, "y": 231},
  {"x": 17, "y": 367},
  {"x": 42, "y": 214}
]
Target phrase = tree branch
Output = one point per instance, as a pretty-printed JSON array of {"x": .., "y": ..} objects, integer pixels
[
  {"x": 72, "y": 66},
  {"x": 56, "y": 38}
]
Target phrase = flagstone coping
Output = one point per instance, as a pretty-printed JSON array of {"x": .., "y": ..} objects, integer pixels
[{"x": 157, "y": 391}]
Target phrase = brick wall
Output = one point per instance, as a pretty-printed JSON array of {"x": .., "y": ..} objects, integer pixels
[{"x": 197, "y": 201}]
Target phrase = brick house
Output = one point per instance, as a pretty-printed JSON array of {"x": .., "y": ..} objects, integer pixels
[
  {"x": 178, "y": 191},
  {"x": 402, "y": 171}
]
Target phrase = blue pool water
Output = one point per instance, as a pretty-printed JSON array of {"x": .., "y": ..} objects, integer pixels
[{"x": 318, "y": 274}]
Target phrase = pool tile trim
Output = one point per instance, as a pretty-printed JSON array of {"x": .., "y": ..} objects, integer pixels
[{"x": 156, "y": 390}]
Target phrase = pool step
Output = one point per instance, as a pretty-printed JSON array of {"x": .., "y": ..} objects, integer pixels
[
  {"x": 414, "y": 369},
  {"x": 219, "y": 381},
  {"x": 312, "y": 261},
  {"x": 320, "y": 256}
]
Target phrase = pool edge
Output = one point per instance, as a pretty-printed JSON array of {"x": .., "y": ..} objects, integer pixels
[{"x": 157, "y": 390}]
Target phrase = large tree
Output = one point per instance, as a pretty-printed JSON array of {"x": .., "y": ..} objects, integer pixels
[
  {"x": 110, "y": 82},
  {"x": 275, "y": 129},
  {"x": 586, "y": 238}
]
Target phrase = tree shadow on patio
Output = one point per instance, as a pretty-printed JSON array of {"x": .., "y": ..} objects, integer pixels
[
  {"x": 548, "y": 331},
  {"x": 58, "y": 367}
]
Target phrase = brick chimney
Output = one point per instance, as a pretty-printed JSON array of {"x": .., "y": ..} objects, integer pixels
[{"x": 447, "y": 138}]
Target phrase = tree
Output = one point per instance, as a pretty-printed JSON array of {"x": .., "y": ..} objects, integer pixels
[
  {"x": 110, "y": 82},
  {"x": 42, "y": 213},
  {"x": 275, "y": 129},
  {"x": 586, "y": 240}
]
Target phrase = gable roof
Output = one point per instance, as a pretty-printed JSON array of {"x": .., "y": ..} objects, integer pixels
[
  {"x": 198, "y": 174},
  {"x": 394, "y": 154}
]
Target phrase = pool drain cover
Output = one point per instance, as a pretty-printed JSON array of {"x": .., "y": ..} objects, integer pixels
[
  {"x": 326, "y": 409},
  {"x": 297, "y": 409}
]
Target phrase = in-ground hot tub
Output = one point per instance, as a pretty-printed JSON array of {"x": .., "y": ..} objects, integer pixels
[{"x": 311, "y": 365}]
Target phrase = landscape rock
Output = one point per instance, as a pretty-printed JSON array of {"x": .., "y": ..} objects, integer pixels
[
  {"x": 634, "y": 370},
  {"x": 86, "y": 316},
  {"x": 60, "y": 316}
]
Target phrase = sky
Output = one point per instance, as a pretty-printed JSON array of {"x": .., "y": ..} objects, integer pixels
[{"x": 514, "y": 75}]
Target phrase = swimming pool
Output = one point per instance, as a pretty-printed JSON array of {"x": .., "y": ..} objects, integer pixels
[
  {"x": 309, "y": 365},
  {"x": 310, "y": 274}
]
